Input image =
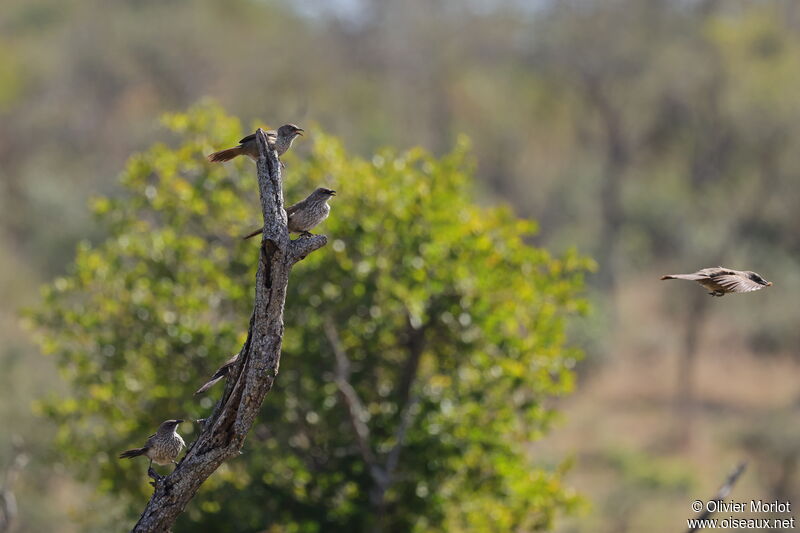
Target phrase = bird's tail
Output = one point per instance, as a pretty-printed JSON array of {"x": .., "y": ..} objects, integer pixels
[
  {"x": 210, "y": 383},
  {"x": 136, "y": 452},
  {"x": 225, "y": 155},
  {"x": 253, "y": 234},
  {"x": 690, "y": 277}
]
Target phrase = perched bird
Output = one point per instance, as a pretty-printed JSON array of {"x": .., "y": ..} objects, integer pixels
[
  {"x": 162, "y": 447},
  {"x": 306, "y": 214},
  {"x": 721, "y": 280},
  {"x": 281, "y": 140},
  {"x": 219, "y": 374}
]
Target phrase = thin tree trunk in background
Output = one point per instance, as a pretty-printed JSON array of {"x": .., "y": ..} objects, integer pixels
[
  {"x": 615, "y": 162},
  {"x": 381, "y": 467},
  {"x": 687, "y": 369},
  {"x": 8, "y": 502}
]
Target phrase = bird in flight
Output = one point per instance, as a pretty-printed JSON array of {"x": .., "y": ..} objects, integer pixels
[{"x": 721, "y": 281}]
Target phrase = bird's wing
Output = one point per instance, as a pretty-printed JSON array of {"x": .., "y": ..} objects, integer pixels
[
  {"x": 223, "y": 369},
  {"x": 702, "y": 274},
  {"x": 292, "y": 208},
  {"x": 219, "y": 374},
  {"x": 227, "y": 364},
  {"x": 271, "y": 134},
  {"x": 289, "y": 211},
  {"x": 149, "y": 441},
  {"x": 737, "y": 283}
]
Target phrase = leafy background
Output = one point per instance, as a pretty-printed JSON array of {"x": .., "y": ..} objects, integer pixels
[
  {"x": 653, "y": 136},
  {"x": 415, "y": 272}
]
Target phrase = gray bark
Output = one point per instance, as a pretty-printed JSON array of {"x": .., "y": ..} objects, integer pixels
[{"x": 252, "y": 377}]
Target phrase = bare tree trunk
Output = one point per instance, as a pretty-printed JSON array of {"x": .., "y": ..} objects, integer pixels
[
  {"x": 381, "y": 468},
  {"x": 616, "y": 158},
  {"x": 254, "y": 373},
  {"x": 685, "y": 400},
  {"x": 8, "y": 502},
  {"x": 787, "y": 473}
]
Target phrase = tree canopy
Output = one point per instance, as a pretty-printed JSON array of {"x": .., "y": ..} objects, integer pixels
[{"x": 449, "y": 319}]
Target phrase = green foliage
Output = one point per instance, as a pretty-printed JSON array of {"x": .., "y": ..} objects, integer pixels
[
  {"x": 704, "y": 93},
  {"x": 642, "y": 481},
  {"x": 645, "y": 473},
  {"x": 145, "y": 316}
]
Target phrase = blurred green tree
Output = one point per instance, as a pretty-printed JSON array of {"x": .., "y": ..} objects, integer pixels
[{"x": 419, "y": 352}]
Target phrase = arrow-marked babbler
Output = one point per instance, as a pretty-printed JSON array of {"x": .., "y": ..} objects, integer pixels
[
  {"x": 306, "y": 214},
  {"x": 281, "y": 140},
  {"x": 721, "y": 281},
  {"x": 161, "y": 448}
]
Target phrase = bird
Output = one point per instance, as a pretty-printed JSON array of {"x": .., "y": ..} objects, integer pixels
[
  {"x": 161, "y": 448},
  {"x": 281, "y": 140},
  {"x": 306, "y": 214},
  {"x": 219, "y": 374},
  {"x": 721, "y": 281}
]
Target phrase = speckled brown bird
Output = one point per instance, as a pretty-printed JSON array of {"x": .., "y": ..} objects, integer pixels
[
  {"x": 306, "y": 214},
  {"x": 161, "y": 448},
  {"x": 281, "y": 140},
  {"x": 219, "y": 374},
  {"x": 721, "y": 281}
]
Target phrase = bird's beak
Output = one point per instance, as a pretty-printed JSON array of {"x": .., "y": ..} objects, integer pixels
[
  {"x": 333, "y": 193},
  {"x": 299, "y": 131},
  {"x": 179, "y": 421},
  {"x": 769, "y": 284}
]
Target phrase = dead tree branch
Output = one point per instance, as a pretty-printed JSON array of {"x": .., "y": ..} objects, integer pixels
[
  {"x": 721, "y": 494},
  {"x": 253, "y": 375}
]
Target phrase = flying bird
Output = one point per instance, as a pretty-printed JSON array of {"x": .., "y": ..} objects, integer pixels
[
  {"x": 720, "y": 281},
  {"x": 306, "y": 214},
  {"x": 281, "y": 140},
  {"x": 161, "y": 448}
]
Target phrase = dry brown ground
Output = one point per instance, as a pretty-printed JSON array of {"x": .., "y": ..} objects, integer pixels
[{"x": 622, "y": 427}]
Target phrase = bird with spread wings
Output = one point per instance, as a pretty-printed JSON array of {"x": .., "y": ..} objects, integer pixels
[{"x": 721, "y": 281}]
